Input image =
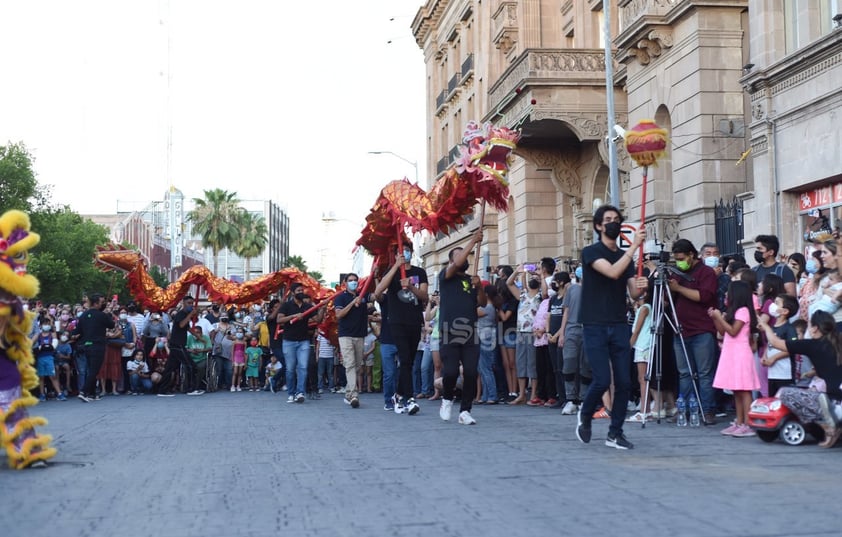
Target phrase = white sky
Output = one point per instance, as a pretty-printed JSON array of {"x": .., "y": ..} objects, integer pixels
[{"x": 269, "y": 99}]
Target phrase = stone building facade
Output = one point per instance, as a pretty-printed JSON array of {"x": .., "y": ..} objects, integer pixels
[
  {"x": 748, "y": 90},
  {"x": 794, "y": 83},
  {"x": 506, "y": 62}
]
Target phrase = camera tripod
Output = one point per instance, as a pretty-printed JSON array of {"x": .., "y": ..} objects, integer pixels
[{"x": 660, "y": 315}]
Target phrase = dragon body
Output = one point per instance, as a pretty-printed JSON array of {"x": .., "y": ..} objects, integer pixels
[{"x": 479, "y": 174}]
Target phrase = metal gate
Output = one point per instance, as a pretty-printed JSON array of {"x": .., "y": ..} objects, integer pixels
[{"x": 729, "y": 226}]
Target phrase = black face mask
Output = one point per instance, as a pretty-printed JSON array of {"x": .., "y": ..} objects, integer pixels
[
  {"x": 612, "y": 230},
  {"x": 464, "y": 267},
  {"x": 758, "y": 256},
  {"x": 300, "y": 297}
]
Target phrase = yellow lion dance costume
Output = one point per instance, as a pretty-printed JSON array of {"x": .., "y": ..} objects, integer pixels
[{"x": 23, "y": 446}]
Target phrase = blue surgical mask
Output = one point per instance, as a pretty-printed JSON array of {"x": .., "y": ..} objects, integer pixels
[
  {"x": 578, "y": 273},
  {"x": 407, "y": 256},
  {"x": 352, "y": 285},
  {"x": 712, "y": 261},
  {"x": 812, "y": 266}
]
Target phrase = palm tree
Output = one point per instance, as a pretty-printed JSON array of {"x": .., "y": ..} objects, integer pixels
[
  {"x": 215, "y": 220},
  {"x": 298, "y": 262},
  {"x": 254, "y": 235}
]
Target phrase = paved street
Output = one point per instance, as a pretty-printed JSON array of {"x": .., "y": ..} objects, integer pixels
[{"x": 230, "y": 464}]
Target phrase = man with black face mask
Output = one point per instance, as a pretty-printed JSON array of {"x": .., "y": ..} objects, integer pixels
[
  {"x": 461, "y": 295},
  {"x": 765, "y": 253},
  {"x": 296, "y": 343},
  {"x": 91, "y": 331},
  {"x": 608, "y": 273}
]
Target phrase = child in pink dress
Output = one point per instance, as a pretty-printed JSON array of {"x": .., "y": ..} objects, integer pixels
[
  {"x": 238, "y": 359},
  {"x": 736, "y": 370}
]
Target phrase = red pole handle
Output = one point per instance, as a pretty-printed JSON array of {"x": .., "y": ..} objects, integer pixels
[{"x": 642, "y": 220}]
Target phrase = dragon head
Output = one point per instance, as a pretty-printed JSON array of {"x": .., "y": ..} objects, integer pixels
[
  {"x": 117, "y": 257},
  {"x": 15, "y": 242},
  {"x": 487, "y": 150}
]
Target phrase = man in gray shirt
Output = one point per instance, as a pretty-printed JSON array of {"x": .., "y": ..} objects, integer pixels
[{"x": 575, "y": 368}]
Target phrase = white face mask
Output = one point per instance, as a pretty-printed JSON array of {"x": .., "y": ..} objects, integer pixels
[
  {"x": 773, "y": 309},
  {"x": 63, "y": 339}
]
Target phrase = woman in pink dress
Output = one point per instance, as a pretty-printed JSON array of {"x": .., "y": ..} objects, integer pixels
[{"x": 736, "y": 370}]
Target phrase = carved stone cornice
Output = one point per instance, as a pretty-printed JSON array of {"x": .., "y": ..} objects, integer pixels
[
  {"x": 649, "y": 47},
  {"x": 427, "y": 19}
]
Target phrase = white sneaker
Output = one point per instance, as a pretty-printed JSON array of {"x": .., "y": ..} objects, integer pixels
[
  {"x": 465, "y": 418},
  {"x": 446, "y": 409},
  {"x": 412, "y": 407},
  {"x": 400, "y": 408},
  {"x": 570, "y": 408},
  {"x": 233, "y": 389},
  {"x": 299, "y": 398},
  {"x": 196, "y": 392},
  {"x": 291, "y": 399},
  {"x": 239, "y": 389}
]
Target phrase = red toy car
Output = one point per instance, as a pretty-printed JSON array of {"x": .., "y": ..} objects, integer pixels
[{"x": 770, "y": 419}]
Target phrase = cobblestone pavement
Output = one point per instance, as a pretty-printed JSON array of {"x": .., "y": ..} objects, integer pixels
[{"x": 229, "y": 464}]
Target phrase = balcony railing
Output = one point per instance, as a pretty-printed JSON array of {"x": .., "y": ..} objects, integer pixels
[
  {"x": 583, "y": 66},
  {"x": 454, "y": 154},
  {"x": 453, "y": 83},
  {"x": 441, "y": 98},
  {"x": 468, "y": 66},
  {"x": 632, "y": 10},
  {"x": 441, "y": 165}
]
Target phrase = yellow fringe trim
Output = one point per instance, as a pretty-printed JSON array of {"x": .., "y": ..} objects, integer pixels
[{"x": 19, "y": 349}]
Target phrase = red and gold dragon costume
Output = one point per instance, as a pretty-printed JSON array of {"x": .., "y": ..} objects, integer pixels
[
  {"x": 479, "y": 174},
  {"x": 18, "y": 439}
]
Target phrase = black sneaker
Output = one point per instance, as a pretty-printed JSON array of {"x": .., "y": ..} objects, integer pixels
[
  {"x": 583, "y": 432},
  {"x": 619, "y": 441}
]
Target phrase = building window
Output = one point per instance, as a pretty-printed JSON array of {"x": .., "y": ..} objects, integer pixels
[
  {"x": 791, "y": 25},
  {"x": 600, "y": 21},
  {"x": 827, "y": 10}
]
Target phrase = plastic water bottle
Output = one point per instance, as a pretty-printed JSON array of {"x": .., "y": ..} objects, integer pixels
[
  {"x": 681, "y": 416},
  {"x": 694, "y": 411}
]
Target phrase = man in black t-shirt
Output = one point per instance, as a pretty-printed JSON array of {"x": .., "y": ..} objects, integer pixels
[
  {"x": 296, "y": 344},
  {"x": 608, "y": 272},
  {"x": 460, "y": 296},
  {"x": 91, "y": 330},
  {"x": 405, "y": 286},
  {"x": 273, "y": 313},
  {"x": 182, "y": 322},
  {"x": 560, "y": 282}
]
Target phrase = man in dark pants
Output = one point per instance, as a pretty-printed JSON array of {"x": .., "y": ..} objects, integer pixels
[
  {"x": 406, "y": 295},
  {"x": 91, "y": 330},
  {"x": 460, "y": 296},
  {"x": 608, "y": 272},
  {"x": 181, "y": 324}
]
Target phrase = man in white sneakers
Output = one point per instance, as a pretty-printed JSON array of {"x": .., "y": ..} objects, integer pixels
[{"x": 460, "y": 296}]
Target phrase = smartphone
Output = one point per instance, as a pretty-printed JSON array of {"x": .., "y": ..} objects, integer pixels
[{"x": 529, "y": 267}]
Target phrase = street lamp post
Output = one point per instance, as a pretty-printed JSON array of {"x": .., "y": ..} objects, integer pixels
[{"x": 412, "y": 163}]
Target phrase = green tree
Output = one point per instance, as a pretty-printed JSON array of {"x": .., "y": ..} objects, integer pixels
[
  {"x": 298, "y": 262},
  {"x": 252, "y": 240},
  {"x": 63, "y": 261},
  {"x": 19, "y": 188},
  {"x": 215, "y": 220}
]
